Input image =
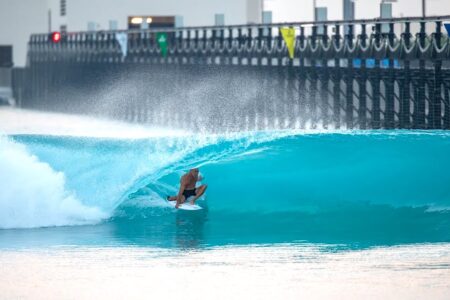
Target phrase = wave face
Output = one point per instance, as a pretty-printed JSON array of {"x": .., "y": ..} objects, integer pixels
[{"x": 54, "y": 180}]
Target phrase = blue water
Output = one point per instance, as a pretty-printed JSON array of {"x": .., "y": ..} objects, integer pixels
[{"x": 353, "y": 190}]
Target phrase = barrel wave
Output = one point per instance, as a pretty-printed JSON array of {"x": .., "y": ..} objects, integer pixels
[{"x": 276, "y": 177}]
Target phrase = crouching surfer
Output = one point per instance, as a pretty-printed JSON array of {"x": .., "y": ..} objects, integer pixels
[{"x": 187, "y": 188}]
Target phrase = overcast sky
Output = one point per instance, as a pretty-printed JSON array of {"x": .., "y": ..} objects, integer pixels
[{"x": 302, "y": 10}]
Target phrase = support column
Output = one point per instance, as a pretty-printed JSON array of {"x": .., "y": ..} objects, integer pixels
[
  {"x": 362, "y": 111},
  {"x": 337, "y": 84},
  {"x": 302, "y": 81},
  {"x": 389, "y": 116},
  {"x": 349, "y": 82},
  {"x": 419, "y": 111},
  {"x": 446, "y": 124},
  {"x": 436, "y": 122},
  {"x": 376, "y": 110},
  {"x": 405, "y": 96},
  {"x": 324, "y": 78}
]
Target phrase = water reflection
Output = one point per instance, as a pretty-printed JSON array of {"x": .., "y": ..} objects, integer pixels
[
  {"x": 382, "y": 226},
  {"x": 190, "y": 228}
]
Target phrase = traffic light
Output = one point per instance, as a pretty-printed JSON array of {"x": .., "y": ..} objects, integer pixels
[{"x": 55, "y": 37}]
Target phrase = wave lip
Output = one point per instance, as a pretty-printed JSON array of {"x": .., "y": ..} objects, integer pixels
[
  {"x": 49, "y": 181},
  {"x": 34, "y": 195}
]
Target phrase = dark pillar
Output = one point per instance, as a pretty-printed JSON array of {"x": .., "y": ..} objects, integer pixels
[
  {"x": 375, "y": 81},
  {"x": 389, "y": 120},
  {"x": 324, "y": 78},
  {"x": 313, "y": 83},
  {"x": 302, "y": 80},
  {"x": 405, "y": 95},
  {"x": 419, "y": 111},
  {"x": 362, "y": 111},
  {"x": 349, "y": 82},
  {"x": 337, "y": 83},
  {"x": 446, "y": 124},
  {"x": 436, "y": 112}
]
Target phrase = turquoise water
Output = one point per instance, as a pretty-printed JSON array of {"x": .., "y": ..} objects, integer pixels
[
  {"x": 287, "y": 215},
  {"x": 348, "y": 190}
]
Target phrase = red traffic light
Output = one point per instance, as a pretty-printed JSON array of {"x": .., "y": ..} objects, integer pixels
[{"x": 56, "y": 37}]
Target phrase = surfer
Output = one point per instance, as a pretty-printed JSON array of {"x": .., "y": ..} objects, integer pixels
[{"x": 188, "y": 189}]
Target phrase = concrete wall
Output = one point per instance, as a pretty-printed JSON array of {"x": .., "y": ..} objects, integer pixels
[{"x": 18, "y": 19}]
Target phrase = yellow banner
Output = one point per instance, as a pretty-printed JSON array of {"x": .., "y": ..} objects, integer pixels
[{"x": 288, "y": 34}]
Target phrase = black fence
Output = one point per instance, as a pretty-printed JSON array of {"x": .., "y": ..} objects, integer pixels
[{"x": 362, "y": 74}]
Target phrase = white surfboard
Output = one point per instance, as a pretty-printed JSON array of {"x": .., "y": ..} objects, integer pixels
[{"x": 185, "y": 206}]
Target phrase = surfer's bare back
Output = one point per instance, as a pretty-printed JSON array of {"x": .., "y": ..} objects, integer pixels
[{"x": 188, "y": 189}]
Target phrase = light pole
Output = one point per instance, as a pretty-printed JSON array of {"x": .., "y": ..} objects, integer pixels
[{"x": 424, "y": 8}]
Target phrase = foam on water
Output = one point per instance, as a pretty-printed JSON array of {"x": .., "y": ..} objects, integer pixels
[
  {"x": 34, "y": 195},
  {"x": 23, "y": 121}
]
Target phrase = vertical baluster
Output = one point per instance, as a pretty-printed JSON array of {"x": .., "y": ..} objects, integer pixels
[
  {"x": 190, "y": 55},
  {"x": 230, "y": 46},
  {"x": 196, "y": 56},
  {"x": 240, "y": 44},
  {"x": 204, "y": 57}
]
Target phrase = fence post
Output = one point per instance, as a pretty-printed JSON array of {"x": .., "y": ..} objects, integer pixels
[
  {"x": 389, "y": 85},
  {"x": 405, "y": 94},
  {"x": 436, "y": 102}
]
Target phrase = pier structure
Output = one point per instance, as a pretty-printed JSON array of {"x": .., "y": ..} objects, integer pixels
[{"x": 362, "y": 74}]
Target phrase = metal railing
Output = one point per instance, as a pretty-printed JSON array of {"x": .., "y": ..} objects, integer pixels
[{"x": 377, "y": 73}]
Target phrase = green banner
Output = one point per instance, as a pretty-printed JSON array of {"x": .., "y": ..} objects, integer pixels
[{"x": 161, "y": 37}]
